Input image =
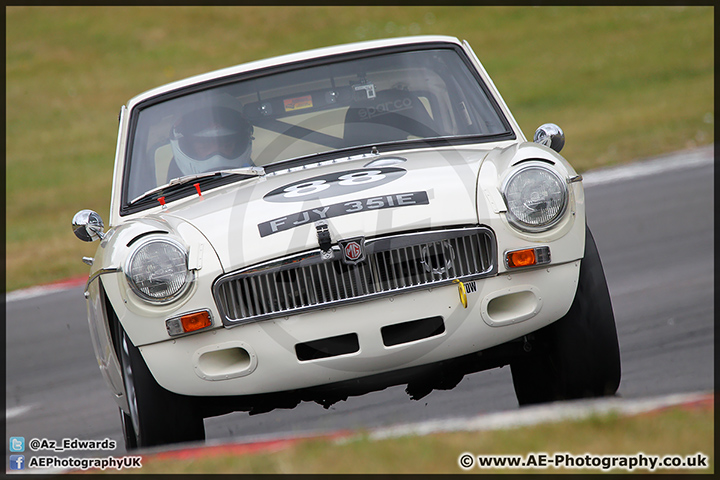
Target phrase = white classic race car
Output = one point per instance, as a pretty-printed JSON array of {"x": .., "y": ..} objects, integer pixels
[{"x": 333, "y": 222}]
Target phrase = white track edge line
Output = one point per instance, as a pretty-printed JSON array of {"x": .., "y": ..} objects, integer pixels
[{"x": 549, "y": 413}]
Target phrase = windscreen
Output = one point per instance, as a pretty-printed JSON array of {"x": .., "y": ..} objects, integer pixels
[{"x": 296, "y": 113}]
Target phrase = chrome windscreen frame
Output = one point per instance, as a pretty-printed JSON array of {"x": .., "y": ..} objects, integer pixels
[{"x": 313, "y": 259}]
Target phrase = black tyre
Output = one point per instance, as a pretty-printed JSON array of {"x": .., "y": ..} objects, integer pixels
[
  {"x": 157, "y": 416},
  {"x": 128, "y": 431},
  {"x": 582, "y": 356}
]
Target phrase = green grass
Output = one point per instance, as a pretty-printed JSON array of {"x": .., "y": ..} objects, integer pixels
[
  {"x": 623, "y": 82},
  {"x": 675, "y": 431}
]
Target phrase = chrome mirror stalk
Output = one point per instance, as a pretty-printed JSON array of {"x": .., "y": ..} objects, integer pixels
[
  {"x": 88, "y": 226},
  {"x": 551, "y": 136}
]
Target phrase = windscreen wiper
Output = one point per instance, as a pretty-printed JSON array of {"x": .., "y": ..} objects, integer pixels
[{"x": 187, "y": 179}]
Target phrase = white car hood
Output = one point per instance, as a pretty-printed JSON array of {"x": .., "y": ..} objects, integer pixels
[{"x": 246, "y": 223}]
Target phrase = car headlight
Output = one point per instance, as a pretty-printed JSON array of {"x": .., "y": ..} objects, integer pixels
[
  {"x": 157, "y": 270},
  {"x": 536, "y": 198}
]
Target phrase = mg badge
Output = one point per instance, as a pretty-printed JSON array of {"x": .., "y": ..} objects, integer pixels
[{"x": 353, "y": 250}]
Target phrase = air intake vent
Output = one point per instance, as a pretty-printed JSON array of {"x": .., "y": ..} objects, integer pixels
[
  {"x": 412, "y": 331},
  {"x": 327, "y": 347}
]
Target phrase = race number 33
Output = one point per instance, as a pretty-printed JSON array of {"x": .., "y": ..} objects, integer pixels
[{"x": 334, "y": 184}]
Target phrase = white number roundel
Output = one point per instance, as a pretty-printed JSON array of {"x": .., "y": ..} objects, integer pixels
[{"x": 334, "y": 184}]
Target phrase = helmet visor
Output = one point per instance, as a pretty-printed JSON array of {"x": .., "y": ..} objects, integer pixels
[{"x": 202, "y": 134}]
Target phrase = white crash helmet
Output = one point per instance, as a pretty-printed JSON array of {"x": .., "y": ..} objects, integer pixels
[{"x": 211, "y": 138}]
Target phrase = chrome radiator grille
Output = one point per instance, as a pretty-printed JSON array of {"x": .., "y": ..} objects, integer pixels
[{"x": 392, "y": 264}]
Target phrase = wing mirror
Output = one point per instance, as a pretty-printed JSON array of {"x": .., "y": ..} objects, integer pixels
[
  {"x": 88, "y": 226},
  {"x": 551, "y": 136}
]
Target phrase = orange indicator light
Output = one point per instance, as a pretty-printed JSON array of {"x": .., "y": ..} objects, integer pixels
[
  {"x": 195, "y": 321},
  {"x": 521, "y": 258}
]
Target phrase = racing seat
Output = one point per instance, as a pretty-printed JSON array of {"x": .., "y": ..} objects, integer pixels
[
  {"x": 163, "y": 157},
  {"x": 391, "y": 115}
]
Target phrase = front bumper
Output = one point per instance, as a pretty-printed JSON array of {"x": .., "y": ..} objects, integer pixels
[{"x": 262, "y": 357}]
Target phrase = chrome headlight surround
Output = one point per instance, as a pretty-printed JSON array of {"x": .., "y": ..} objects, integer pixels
[
  {"x": 536, "y": 198},
  {"x": 157, "y": 270}
]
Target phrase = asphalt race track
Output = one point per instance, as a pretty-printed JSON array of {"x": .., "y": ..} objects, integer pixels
[{"x": 653, "y": 224}]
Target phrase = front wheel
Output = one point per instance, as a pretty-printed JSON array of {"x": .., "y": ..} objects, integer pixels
[
  {"x": 583, "y": 357},
  {"x": 157, "y": 416}
]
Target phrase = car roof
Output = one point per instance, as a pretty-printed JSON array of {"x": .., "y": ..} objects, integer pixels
[{"x": 290, "y": 58}]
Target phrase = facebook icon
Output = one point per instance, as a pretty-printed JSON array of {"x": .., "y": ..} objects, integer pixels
[{"x": 17, "y": 462}]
